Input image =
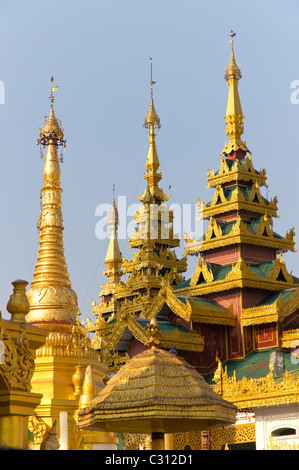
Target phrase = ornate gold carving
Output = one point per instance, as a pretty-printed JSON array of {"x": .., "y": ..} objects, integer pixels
[
  {"x": 38, "y": 428},
  {"x": 187, "y": 440},
  {"x": 17, "y": 368},
  {"x": 246, "y": 393},
  {"x": 201, "y": 270},
  {"x": 240, "y": 234},
  {"x": 290, "y": 339},
  {"x": 212, "y": 314},
  {"x": 280, "y": 267},
  {"x": 281, "y": 445},
  {"x": 64, "y": 344},
  {"x": 188, "y": 341},
  {"x": 236, "y": 434},
  {"x": 137, "y": 441},
  {"x": 75, "y": 440},
  {"x": 237, "y": 172},
  {"x": 214, "y": 230},
  {"x": 254, "y": 202}
]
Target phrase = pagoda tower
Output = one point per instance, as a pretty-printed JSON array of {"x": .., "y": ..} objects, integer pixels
[
  {"x": 107, "y": 306},
  {"x": 51, "y": 286},
  {"x": 61, "y": 362},
  {"x": 240, "y": 265},
  {"x": 154, "y": 269},
  {"x": 154, "y": 240}
]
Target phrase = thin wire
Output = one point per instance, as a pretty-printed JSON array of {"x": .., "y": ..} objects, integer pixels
[
  {"x": 165, "y": 173},
  {"x": 92, "y": 279}
]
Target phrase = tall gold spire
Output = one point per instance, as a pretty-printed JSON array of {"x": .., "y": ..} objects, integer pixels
[
  {"x": 113, "y": 259},
  {"x": 52, "y": 300},
  {"x": 234, "y": 114},
  {"x": 152, "y": 123}
]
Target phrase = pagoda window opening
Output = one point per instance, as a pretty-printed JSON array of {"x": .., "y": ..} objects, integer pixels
[
  {"x": 256, "y": 199},
  {"x": 213, "y": 234},
  {"x": 218, "y": 199},
  {"x": 201, "y": 279},
  {"x": 283, "y": 432},
  {"x": 281, "y": 277},
  {"x": 265, "y": 233}
]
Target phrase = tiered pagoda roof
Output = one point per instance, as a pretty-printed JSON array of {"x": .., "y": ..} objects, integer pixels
[{"x": 241, "y": 296}]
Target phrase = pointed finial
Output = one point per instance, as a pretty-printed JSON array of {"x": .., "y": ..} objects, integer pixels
[
  {"x": 234, "y": 114},
  {"x": 52, "y": 90},
  {"x": 152, "y": 119},
  {"x": 52, "y": 131},
  {"x": 151, "y": 82},
  {"x": 232, "y": 70},
  {"x": 232, "y": 35},
  {"x": 113, "y": 258},
  {"x": 113, "y": 215}
]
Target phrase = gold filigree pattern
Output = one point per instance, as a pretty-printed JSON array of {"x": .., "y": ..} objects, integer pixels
[
  {"x": 38, "y": 428},
  {"x": 265, "y": 391},
  {"x": 201, "y": 271},
  {"x": 137, "y": 441},
  {"x": 236, "y": 434},
  {"x": 280, "y": 269},
  {"x": 17, "y": 367},
  {"x": 187, "y": 440}
]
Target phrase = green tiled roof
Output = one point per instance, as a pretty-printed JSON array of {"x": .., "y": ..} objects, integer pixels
[
  {"x": 269, "y": 300},
  {"x": 230, "y": 163},
  {"x": 183, "y": 284},
  {"x": 256, "y": 365},
  {"x": 246, "y": 192},
  {"x": 261, "y": 270}
]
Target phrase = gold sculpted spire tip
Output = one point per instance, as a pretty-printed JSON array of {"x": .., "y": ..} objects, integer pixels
[
  {"x": 232, "y": 70},
  {"x": 113, "y": 258},
  {"x": 235, "y": 148},
  {"x": 152, "y": 119},
  {"x": 52, "y": 130},
  {"x": 152, "y": 122}
]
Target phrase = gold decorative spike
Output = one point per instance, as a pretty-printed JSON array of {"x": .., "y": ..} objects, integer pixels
[
  {"x": 152, "y": 118},
  {"x": 234, "y": 115},
  {"x": 113, "y": 259},
  {"x": 52, "y": 130},
  {"x": 88, "y": 389},
  {"x": 152, "y": 123},
  {"x": 52, "y": 300}
]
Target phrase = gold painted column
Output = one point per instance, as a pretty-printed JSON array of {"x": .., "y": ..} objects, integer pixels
[{"x": 19, "y": 341}]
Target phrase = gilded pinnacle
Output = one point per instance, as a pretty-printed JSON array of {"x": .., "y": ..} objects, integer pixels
[
  {"x": 234, "y": 114},
  {"x": 152, "y": 119},
  {"x": 113, "y": 258},
  {"x": 52, "y": 130},
  {"x": 232, "y": 70}
]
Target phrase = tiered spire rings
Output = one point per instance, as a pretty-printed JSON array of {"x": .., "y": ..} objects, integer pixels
[{"x": 52, "y": 300}]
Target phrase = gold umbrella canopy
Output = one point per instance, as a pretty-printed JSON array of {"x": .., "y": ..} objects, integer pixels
[{"x": 155, "y": 392}]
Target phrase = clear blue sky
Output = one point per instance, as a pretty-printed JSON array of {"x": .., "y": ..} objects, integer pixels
[{"x": 98, "y": 52}]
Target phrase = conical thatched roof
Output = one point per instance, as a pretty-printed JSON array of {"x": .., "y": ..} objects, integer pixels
[{"x": 156, "y": 391}]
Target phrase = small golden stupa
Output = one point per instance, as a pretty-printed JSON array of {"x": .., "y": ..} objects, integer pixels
[{"x": 156, "y": 392}]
